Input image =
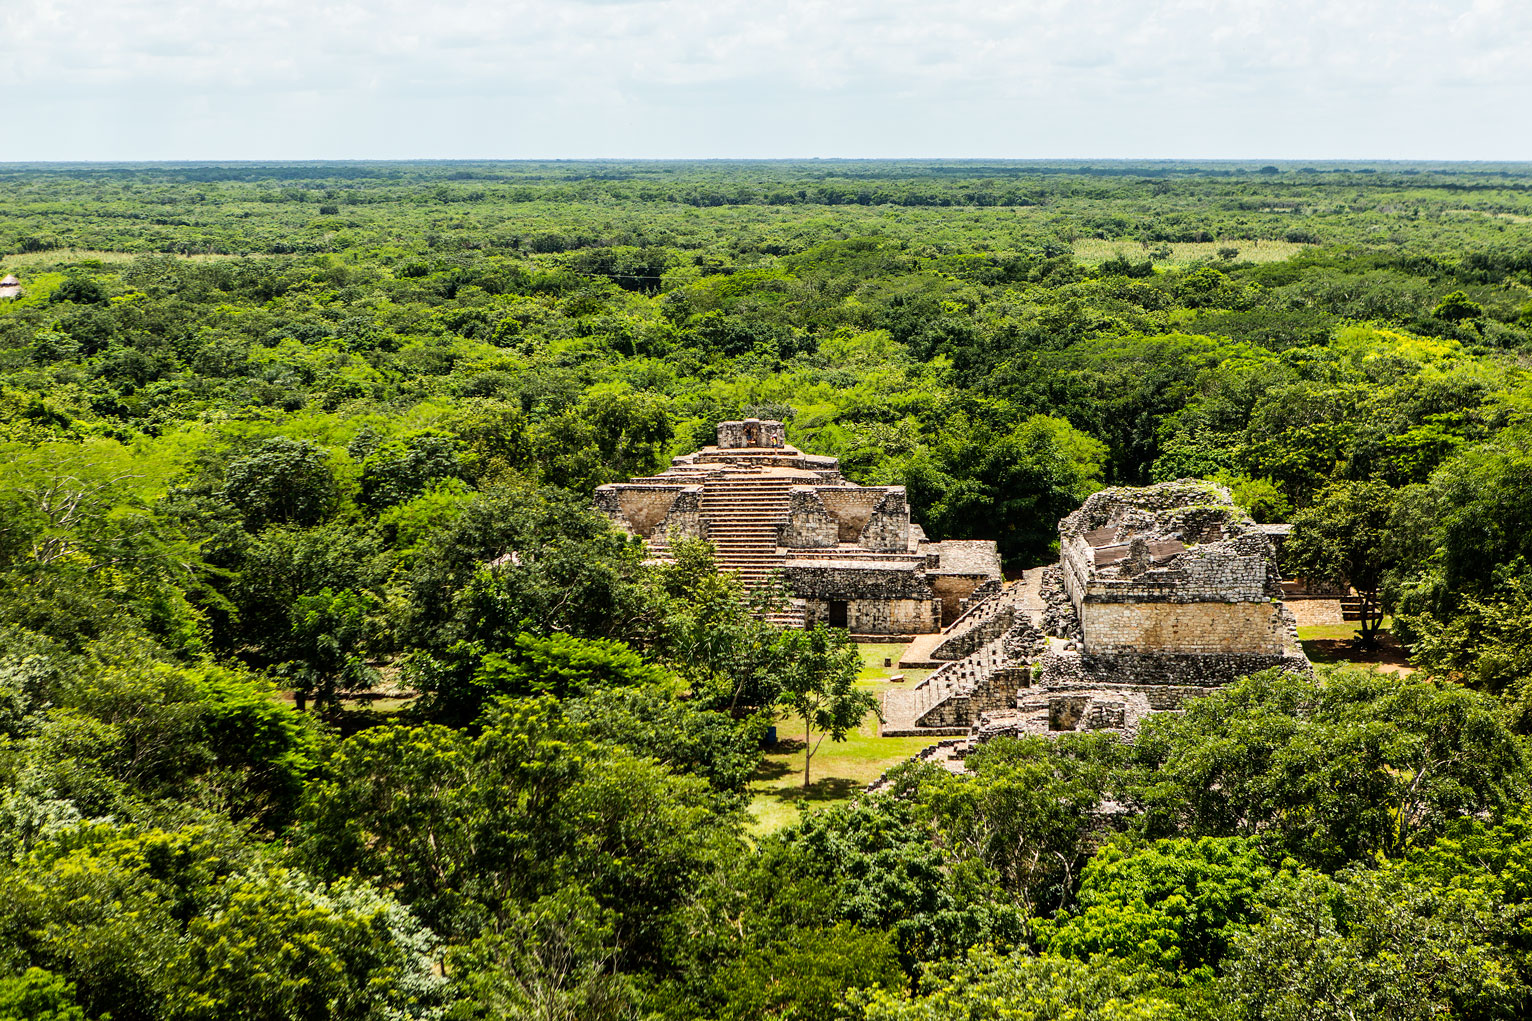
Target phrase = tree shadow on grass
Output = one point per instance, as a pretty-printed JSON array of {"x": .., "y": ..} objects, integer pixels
[
  {"x": 773, "y": 769},
  {"x": 1389, "y": 655},
  {"x": 831, "y": 788}
]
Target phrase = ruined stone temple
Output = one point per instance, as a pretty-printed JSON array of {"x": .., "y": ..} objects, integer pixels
[
  {"x": 1161, "y": 593},
  {"x": 849, "y": 555}
]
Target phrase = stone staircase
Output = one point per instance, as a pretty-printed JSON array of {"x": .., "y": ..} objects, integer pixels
[
  {"x": 975, "y": 629},
  {"x": 948, "y": 754},
  {"x": 744, "y": 519},
  {"x": 944, "y": 698},
  {"x": 952, "y": 697}
]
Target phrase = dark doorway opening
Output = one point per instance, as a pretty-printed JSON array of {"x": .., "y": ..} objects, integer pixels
[{"x": 838, "y": 613}]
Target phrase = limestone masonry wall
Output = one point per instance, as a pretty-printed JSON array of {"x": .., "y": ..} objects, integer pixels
[
  {"x": 850, "y": 507},
  {"x": 997, "y": 690},
  {"x": 654, "y": 512},
  {"x": 830, "y": 581},
  {"x": 751, "y": 432},
  {"x": 879, "y": 616},
  {"x": 809, "y": 524},
  {"x": 1205, "y": 627},
  {"x": 685, "y": 520},
  {"x": 888, "y": 527}
]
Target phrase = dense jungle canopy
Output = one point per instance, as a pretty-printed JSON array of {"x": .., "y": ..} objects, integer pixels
[{"x": 276, "y": 435}]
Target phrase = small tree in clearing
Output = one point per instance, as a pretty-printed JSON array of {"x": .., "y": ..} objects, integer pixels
[
  {"x": 818, "y": 672},
  {"x": 1345, "y": 538}
]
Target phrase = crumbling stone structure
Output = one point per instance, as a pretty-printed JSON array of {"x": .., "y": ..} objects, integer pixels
[
  {"x": 1172, "y": 584},
  {"x": 1161, "y": 594},
  {"x": 849, "y": 555}
]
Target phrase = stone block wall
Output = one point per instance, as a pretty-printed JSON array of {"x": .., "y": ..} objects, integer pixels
[
  {"x": 879, "y": 616},
  {"x": 636, "y": 508},
  {"x": 959, "y": 591},
  {"x": 684, "y": 520},
  {"x": 971, "y": 640},
  {"x": 1076, "y": 566},
  {"x": 1204, "y": 627},
  {"x": 851, "y": 507},
  {"x": 1167, "y": 678},
  {"x": 836, "y": 580},
  {"x": 654, "y": 512},
  {"x": 996, "y": 691},
  {"x": 751, "y": 432},
  {"x": 876, "y": 519},
  {"x": 809, "y": 524},
  {"x": 888, "y": 526}
]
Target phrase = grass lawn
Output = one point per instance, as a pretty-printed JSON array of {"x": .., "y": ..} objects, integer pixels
[
  {"x": 1184, "y": 253},
  {"x": 1337, "y": 643},
  {"x": 840, "y": 769}
]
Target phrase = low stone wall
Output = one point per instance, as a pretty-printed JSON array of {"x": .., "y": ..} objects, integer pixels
[
  {"x": 837, "y": 580},
  {"x": 1062, "y": 670}
]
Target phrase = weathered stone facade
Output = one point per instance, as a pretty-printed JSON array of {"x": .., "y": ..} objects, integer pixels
[
  {"x": 751, "y": 433},
  {"x": 1161, "y": 594},
  {"x": 1173, "y": 581},
  {"x": 849, "y": 555}
]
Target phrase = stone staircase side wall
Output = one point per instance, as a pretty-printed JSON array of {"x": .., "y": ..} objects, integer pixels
[
  {"x": 962, "y": 709},
  {"x": 971, "y": 640},
  {"x": 970, "y": 602}
]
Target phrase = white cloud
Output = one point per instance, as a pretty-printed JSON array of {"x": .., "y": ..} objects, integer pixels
[{"x": 311, "y": 78}]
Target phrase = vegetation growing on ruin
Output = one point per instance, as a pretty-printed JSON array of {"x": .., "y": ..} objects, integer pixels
[{"x": 283, "y": 436}]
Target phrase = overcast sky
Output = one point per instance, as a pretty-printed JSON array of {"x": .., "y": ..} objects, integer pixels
[{"x": 310, "y": 79}]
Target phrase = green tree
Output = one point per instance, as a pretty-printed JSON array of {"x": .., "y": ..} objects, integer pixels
[
  {"x": 325, "y": 647},
  {"x": 818, "y": 677},
  {"x": 554, "y": 960},
  {"x": 1025, "y": 812},
  {"x": 468, "y": 827},
  {"x": 1174, "y": 905},
  {"x": 194, "y": 924},
  {"x": 38, "y": 995},
  {"x": 808, "y": 974},
  {"x": 1457, "y": 307},
  {"x": 1334, "y": 770},
  {"x": 1485, "y": 642},
  {"x": 1371, "y": 945},
  {"x": 1345, "y": 538},
  {"x": 987, "y": 984},
  {"x": 80, "y": 289},
  {"x": 283, "y": 481}
]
